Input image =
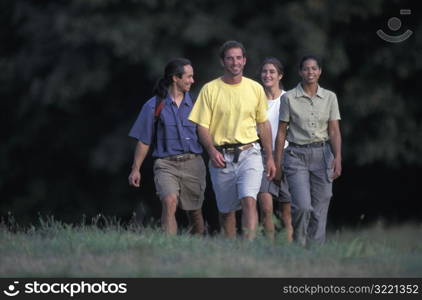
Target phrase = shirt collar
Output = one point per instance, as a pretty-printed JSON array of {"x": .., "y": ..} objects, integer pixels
[
  {"x": 186, "y": 99},
  {"x": 301, "y": 93}
]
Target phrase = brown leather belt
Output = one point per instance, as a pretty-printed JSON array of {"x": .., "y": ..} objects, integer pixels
[
  {"x": 235, "y": 149},
  {"x": 180, "y": 157}
]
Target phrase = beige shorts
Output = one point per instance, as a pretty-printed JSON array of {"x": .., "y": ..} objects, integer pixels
[{"x": 186, "y": 179}]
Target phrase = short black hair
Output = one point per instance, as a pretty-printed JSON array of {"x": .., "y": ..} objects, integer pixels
[
  {"x": 229, "y": 45},
  {"x": 306, "y": 57}
]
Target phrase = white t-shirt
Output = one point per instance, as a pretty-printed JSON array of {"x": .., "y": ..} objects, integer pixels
[{"x": 272, "y": 114}]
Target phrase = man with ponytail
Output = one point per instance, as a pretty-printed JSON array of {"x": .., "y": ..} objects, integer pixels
[{"x": 162, "y": 127}]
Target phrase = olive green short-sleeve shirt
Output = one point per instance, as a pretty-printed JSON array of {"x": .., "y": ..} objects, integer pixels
[{"x": 308, "y": 117}]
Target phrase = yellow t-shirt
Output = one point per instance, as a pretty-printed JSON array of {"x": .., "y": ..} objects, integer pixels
[{"x": 230, "y": 111}]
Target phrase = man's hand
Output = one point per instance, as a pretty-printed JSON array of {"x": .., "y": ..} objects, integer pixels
[
  {"x": 135, "y": 178},
  {"x": 217, "y": 159}
]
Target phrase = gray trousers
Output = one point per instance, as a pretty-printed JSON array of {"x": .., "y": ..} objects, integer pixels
[{"x": 309, "y": 175}]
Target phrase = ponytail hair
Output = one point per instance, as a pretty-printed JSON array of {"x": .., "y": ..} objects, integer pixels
[
  {"x": 161, "y": 88},
  {"x": 174, "y": 67}
]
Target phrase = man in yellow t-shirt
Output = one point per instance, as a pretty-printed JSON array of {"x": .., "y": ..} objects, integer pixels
[{"x": 229, "y": 111}]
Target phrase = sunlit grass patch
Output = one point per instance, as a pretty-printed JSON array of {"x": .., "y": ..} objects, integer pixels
[{"x": 56, "y": 249}]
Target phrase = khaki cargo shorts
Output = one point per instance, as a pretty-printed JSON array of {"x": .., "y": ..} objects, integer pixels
[{"x": 186, "y": 179}]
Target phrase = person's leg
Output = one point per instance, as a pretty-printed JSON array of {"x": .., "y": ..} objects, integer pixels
[
  {"x": 285, "y": 214},
  {"x": 249, "y": 177},
  {"x": 228, "y": 224},
  {"x": 321, "y": 191},
  {"x": 249, "y": 218},
  {"x": 297, "y": 174},
  {"x": 192, "y": 187},
  {"x": 166, "y": 178},
  {"x": 196, "y": 220},
  {"x": 286, "y": 218},
  {"x": 301, "y": 204},
  {"x": 168, "y": 214},
  {"x": 266, "y": 212},
  {"x": 224, "y": 186}
]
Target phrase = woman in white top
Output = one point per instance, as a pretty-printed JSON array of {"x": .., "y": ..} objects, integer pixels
[{"x": 271, "y": 75}]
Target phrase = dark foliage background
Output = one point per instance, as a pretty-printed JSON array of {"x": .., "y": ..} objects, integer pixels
[{"x": 74, "y": 75}]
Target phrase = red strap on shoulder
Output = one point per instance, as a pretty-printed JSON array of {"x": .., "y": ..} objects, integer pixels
[{"x": 158, "y": 108}]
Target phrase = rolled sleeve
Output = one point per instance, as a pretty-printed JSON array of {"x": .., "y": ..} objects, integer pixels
[
  {"x": 201, "y": 112},
  {"x": 284, "y": 114},
  {"x": 334, "y": 110},
  {"x": 261, "y": 113},
  {"x": 142, "y": 129}
]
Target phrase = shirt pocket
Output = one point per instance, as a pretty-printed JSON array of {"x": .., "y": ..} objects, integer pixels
[
  {"x": 302, "y": 120},
  {"x": 322, "y": 115},
  {"x": 169, "y": 136},
  {"x": 169, "y": 127},
  {"x": 189, "y": 130}
]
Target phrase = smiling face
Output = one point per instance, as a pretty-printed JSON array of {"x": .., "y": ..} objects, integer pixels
[
  {"x": 310, "y": 71},
  {"x": 185, "y": 82},
  {"x": 233, "y": 62},
  {"x": 270, "y": 77}
]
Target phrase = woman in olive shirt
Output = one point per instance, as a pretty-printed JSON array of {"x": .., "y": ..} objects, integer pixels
[{"x": 309, "y": 120}]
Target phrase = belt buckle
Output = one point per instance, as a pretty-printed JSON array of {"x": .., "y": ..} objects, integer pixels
[
  {"x": 179, "y": 157},
  {"x": 230, "y": 150}
]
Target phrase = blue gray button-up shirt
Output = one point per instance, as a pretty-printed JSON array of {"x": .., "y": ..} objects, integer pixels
[{"x": 175, "y": 133}]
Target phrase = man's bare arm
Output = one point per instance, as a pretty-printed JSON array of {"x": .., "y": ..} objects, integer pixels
[
  {"x": 217, "y": 159},
  {"x": 141, "y": 152}
]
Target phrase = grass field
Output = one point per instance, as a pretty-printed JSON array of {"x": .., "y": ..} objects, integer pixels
[{"x": 54, "y": 249}]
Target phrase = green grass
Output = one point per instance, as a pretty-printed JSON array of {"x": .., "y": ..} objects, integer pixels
[{"x": 55, "y": 249}]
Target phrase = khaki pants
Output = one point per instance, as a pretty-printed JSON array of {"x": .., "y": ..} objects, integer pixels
[{"x": 308, "y": 172}]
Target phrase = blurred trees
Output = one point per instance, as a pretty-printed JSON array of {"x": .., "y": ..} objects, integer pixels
[{"x": 74, "y": 74}]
